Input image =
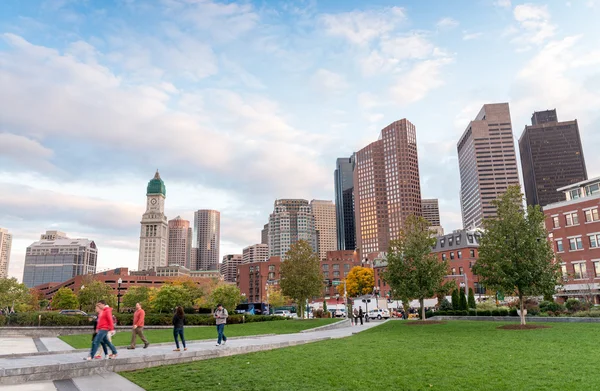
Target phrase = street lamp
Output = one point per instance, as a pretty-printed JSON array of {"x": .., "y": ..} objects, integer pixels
[
  {"x": 80, "y": 289},
  {"x": 119, "y": 281}
]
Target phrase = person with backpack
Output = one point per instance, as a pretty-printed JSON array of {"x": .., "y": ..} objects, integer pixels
[
  {"x": 221, "y": 315},
  {"x": 178, "y": 321}
]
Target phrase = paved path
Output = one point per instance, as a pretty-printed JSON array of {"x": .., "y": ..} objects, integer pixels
[{"x": 70, "y": 365}]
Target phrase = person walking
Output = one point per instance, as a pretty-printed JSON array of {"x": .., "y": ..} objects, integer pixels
[
  {"x": 95, "y": 324},
  {"x": 105, "y": 324},
  {"x": 360, "y": 315},
  {"x": 138, "y": 327},
  {"x": 221, "y": 319},
  {"x": 355, "y": 313},
  {"x": 178, "y": 321}
]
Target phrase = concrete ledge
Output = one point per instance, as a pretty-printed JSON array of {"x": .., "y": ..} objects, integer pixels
[
  {"x": 332, "y": 326},
  {"x": 12, "y": 376},
  {"x": 541, "y": 319},
  {"x": 46, "y": 331}
]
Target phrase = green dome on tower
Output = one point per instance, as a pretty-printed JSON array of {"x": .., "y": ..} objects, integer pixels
[{"x": 156, "y": 186}]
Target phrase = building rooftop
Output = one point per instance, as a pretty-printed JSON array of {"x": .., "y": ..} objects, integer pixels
[
  {"x": 64, "y": 242},
  {"x": 579, "y": 184},
  {"x": 456, "y": 240},
  {"x": 156, "y": 186}
]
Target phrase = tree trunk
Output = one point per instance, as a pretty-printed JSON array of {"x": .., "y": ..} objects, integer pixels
[
  {"x": 422, "y": 303},
  {"x": 522, "y": 312}
]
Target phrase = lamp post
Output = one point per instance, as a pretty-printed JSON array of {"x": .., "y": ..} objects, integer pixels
[
  {"x": 80, "y": 289},
  {"x": 119, "y": 281},
  {"x": 267, "y": 291}
]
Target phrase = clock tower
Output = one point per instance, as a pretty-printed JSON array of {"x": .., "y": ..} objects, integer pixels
[{"x": 154, "y": 235}]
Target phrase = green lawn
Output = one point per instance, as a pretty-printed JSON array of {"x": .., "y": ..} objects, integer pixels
[
  {"x": 458, "y": 355},
  {"x": 123, "y": 338}
]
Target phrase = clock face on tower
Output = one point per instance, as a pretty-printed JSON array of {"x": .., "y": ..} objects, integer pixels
[{"x": 153, "y": 201}]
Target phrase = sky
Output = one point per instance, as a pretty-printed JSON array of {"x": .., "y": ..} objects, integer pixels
[{"x": 240, "y": 103}]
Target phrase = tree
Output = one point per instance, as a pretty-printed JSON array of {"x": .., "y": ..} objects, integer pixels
[
  {"x": 455, "y": 299},
  {"x": 226, "y": 294},
  {"x": 193, "y": 290},
  {"x": 359, "y": 281},
  {"x": 300, "y": 273},
  {"x": 65, "y": 299},
  {"x": 444, "y": 290},
  {"x": 472, "y": 299},
  {"x": 12, "y": 293},
  {"x": 92, "y": 292},
  {"x": 170, "y": 296},
  {"x": 463, "y": 300},
  {"x": 413, "y": 271},
  {"x": 137, "y": 294},
  {"x": 325, "y": 312},
  {"x": 514, "y": 253},
  {"x": 276, "y": 298}
]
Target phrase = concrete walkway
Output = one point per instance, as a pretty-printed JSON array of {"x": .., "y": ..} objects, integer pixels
[{"x": 70, "y": 365}]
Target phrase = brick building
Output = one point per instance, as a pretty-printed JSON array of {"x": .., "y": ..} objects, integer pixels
[{"x": 574, "y": 229}]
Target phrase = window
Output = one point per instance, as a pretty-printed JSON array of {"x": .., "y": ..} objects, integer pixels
[
  {"x": 461, "y": 270},
  {"x": 572, "y": 219},
  {"x": 271, "y": 268},
  {"x": 575, "y": 244},
  {"x": 594, "y": 240},
  {"x": 559, "y": 246},
  {"x": 452, "y": 255},
  {"x": 470, "y": 237},
  {"x": 592, "y": 189},
  {"x": 472, "y": 253},
  {"x": 479, "y": 289},
  {"x": 336, "y": 274},
  {"x": 458, "y": 240},
  {"x": 251, "y": 269},
  {"x": 556, "y": 222},
  {"x": 442, "y": 242},
  {"x": 459, "y": 254},
  {"x": 443, "y": 256},
  {"x": 591, "y": 215},
  {"x": 453, "y": 271},
  {"x": 336, "y": 266},
  {"x": 575, "y": 194},
  {"x": 450, "y": 241},
  {"x": 580, "y": 270},
  {"x": 347, "y": 267},
  {"x": 325, "y": 267},
  {"x": 271, "y": 276},
  {"x": 597, "y": 268}
]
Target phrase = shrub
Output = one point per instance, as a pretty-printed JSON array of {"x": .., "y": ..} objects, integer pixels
[
  {"x": 430, "y": 314},
  {"x": 445, "y": 305},
  {"x": 484, "y": 313},
  {"x": 574, "y": 305},
  {"x": 462, "y": 313},
  {"x": 472, "y": 312},
  {"x": 550, "y": 306},
  {"x": 587, "y": 314},
  {"x": 486, "y": 305},
  {"x": 495, "y": 312},
  {"x": 471, "y": 299},
  {"x": 513, "y": 312},
  {"x": 503, "y": 312}
]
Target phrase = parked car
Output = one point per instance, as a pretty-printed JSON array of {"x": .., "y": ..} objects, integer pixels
[
  {"x": 284, "y": 313},
  {"x": 379, "y": 313},
  {"x": 340, "y": 313},
  {"x": 74, "y": 313}
]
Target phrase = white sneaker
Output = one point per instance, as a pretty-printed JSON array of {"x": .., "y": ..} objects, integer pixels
[{"x": 224, "y": 342}]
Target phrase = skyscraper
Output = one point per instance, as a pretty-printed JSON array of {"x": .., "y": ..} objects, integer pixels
[
  {"x": 57, "y": 260},
  {"x": 207, "y": 224},
  {"x": 229, "y": 266},
  {"x": 386, "y": 186},
  {"x": 344, "y": 203},
  {"x": 431, "y": 211},
  {"x": 5, "y": 247},
  {"x": 487, "y": 163},
  {"x": 180, "y": 242},
  {"x": 324, "y": 214},
  {"x": 292, "y": 220},
  {"x": 154, "y": 235},
  {"x": 255, "y": 253},
  {"x": 264, "y": 234},
  {"x": 551, "y": 157}
]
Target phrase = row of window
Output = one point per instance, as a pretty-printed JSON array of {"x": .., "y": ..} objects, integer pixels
[
  {"x": 572, "y": 218},
  {"x": 576, "y": 243},
  {"x": 458, "y": 255},
  {"x": 580, "y": 270}
]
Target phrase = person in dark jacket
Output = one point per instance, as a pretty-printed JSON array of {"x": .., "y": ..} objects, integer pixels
[
  {"x": 360, "y": 315},
  {"x": 178, "y": 321}
]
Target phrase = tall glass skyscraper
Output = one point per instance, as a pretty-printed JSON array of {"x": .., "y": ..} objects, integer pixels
[{"x": 344, "y": 203}]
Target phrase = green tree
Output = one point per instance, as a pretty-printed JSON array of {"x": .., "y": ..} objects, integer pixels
[
  {"x": 92, "y": 292},
  {"x": 12, "y": 293},
  {"x": 463, "y": 300},
  {"x": 514, "y": 253},
  {"x": 65, "y": 299},
  {"x": 301, "y": 276},
  {"x": 455, "y": 299},
  {"x": 413, "y": 271},
  {"x": 228, "y": 295},
  {"x": 325, "y": 312},
  {"x": 359, "y": 281},
  {"x": 170, "y": 296},
  {"x": 136, "y": 294},
  {"x": 276, "y": 298},
  {"x": 472, "y": 299}
]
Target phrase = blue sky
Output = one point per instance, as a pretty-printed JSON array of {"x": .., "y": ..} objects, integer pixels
[{"x": 240, "y": 103}]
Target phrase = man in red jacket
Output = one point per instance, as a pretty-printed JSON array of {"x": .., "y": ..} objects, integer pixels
[
  {"x": 105, "y": 324},
  {"x": 138, "y": 327}
]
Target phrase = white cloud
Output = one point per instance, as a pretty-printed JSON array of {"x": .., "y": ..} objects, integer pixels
[
  {"x": 534, "y": 25},
  {"x": 329, "y": 82},
  {"x": 419, "y": 81},
  {"x": 447, "y": 23},
  {"x": 362, "y": 27},
  {"x": 471, "y": 36},
  {"x": 503, "y": 3},
  {"x": 25, "y": 151}
]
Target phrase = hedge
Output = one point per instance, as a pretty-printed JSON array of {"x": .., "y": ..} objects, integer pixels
[
  {"x": 470, "y": 312},
  {"x": 55, "y": 319}
]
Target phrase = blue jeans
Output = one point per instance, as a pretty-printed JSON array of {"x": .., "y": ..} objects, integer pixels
[
  {"x": 220, "y": 329},
  {"x": 102, "y": 337},
  {"x": 104, "y": 347},
  {"x": 178, "y": 333}
]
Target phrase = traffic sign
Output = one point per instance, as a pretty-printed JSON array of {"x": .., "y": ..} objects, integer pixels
[{"x": 336, "y": 283}]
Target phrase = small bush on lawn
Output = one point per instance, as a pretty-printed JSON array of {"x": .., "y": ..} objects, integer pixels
[
  {"x": 472, "y": 312},
  {"x": 513, "y": 312},
  {"x": 587, "y": 314},
  {"x": 430, "y": 314},
  {"x": 484, "y": 313},
  {"x": 495, "y": 313},
  {"x": 574, "y": 305},
  {"x": 503, "y": 312},
  {"x": 551, "y": 306}
]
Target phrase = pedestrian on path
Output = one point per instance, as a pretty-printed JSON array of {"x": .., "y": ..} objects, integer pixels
[
  {"x": 221, "y": 319},
  {"x": 95, "y": 324},
  {"x": 138, "y": 327},
  {"x": 360, "y": 315},
  {"x": 178, "y": 321},
  {"x": 355, "y": 313},
  {"x": 105, "y": 324}
]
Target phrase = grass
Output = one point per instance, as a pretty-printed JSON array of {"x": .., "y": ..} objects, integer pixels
[
  {"x": 457, "y": 355},
  {"x": 123, "y": 338}
]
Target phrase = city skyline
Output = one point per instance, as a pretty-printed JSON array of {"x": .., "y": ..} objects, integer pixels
[{"x": 160, "y": 95}]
